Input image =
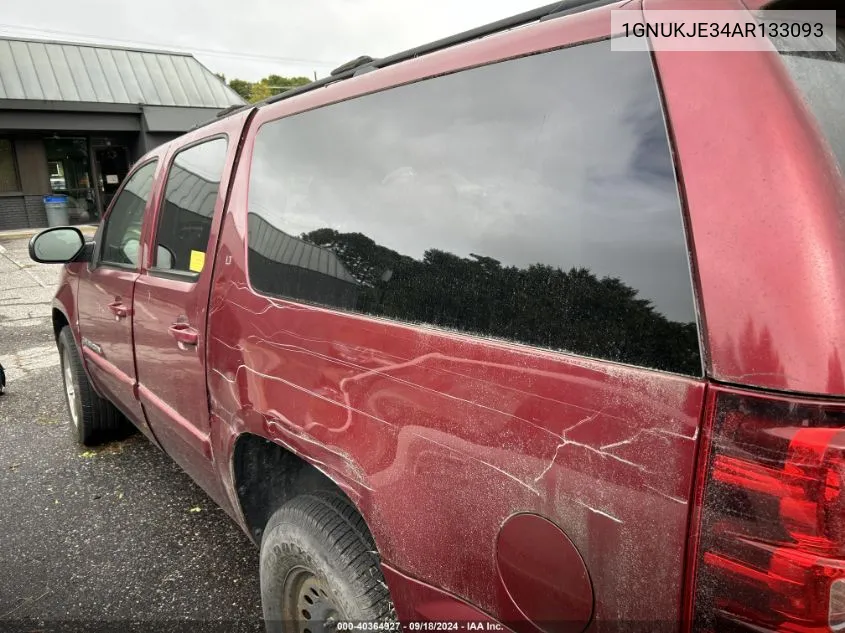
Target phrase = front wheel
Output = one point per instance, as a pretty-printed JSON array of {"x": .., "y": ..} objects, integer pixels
[
  {"x": 95, "y": 420},
  {"x": 319, "y": 566}
]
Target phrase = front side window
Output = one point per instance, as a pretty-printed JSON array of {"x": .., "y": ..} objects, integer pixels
[
  {"x": 122, "y": 230},
  {"x": 532, "y": 200},
  {"x": 188, "y": 208},
  {"x": 8, "y": 170}
]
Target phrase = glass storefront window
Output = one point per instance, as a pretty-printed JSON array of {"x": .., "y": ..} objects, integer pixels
[{"x": 69, "y": 166}]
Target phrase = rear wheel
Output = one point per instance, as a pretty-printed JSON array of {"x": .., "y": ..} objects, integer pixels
[
  {"x": 319, "y": 566},
  {"x": 94, "y": 419}
]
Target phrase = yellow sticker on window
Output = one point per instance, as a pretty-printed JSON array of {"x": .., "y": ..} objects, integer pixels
[{"x": 197, "y": 261}]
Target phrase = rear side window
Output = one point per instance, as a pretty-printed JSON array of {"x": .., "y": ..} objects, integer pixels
[
  {"x": 190, "y": 197},
  {"x": 820, "y": 75},
  {"x": 532, "y": 200}
]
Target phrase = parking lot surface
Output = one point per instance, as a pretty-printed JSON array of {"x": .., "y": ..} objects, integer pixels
[{"x": 114, "y": 538}]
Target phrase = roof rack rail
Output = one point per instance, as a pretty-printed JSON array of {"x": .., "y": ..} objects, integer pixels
[
  {"x": 364, "y": 63},
  {"x": 556, "y": 9},
  {"x": 363, "y": 60},
  {"x": 534, "y": 15},
  {"x": 568, "y": 9},
  {"x": 228, "y": 110}
]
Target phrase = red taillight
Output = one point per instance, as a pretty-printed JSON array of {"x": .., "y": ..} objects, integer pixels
[{"x": 771, "y": 548}]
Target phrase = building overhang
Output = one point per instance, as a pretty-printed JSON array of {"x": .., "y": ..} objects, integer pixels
[
  {"x": 42, "y": 120},
  {"x": 69, "y": 116},
  {"x": 175, "y": 119},
  {"x": 69, "y": 106}
]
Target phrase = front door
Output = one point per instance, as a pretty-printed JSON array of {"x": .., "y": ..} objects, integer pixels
[
  {"x": 171, "y": 303},
  {"x": 105, "y": 296}
]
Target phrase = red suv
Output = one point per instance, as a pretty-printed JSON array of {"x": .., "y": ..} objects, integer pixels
[{"x": 508, "y": 330}]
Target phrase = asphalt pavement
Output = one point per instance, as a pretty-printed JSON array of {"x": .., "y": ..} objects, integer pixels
[{"x": 116, "y": 538}]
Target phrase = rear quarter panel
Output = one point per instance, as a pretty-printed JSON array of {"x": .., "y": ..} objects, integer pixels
[
  {"x": 765, "y": 202},
  {"x": 440, "y": 438}
]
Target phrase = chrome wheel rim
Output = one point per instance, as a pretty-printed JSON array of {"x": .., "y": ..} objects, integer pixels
[
  {"x": 308, "y": 605},
  {"x": 71, "y": 391}
]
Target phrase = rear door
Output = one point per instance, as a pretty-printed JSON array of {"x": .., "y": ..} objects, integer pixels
[
  {"x": 171, "y": 302},
  {"x": 106, "y": 292}
]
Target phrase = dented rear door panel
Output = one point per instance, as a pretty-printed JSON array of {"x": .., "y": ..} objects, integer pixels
[{"x": 441, "y": 439}]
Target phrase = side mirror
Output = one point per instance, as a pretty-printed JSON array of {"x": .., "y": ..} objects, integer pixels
[{"x": 57, "y": 245}]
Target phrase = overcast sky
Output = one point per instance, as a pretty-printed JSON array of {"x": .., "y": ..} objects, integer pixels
[{"x": 257, "y": 37}]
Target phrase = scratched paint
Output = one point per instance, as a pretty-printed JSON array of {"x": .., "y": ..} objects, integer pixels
[{"x": 442, "y": 436}]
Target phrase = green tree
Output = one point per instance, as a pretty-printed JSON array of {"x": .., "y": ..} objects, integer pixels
[
  {"x": 266, "y": 87},
  {"x": 259, "y": 91},
  {"x": 278, "y": 84},
  {"x": 241, "y": 87},
  {"x": 275, "y": 80}
]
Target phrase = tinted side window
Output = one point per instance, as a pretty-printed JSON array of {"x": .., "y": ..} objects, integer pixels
[
  {"x": 189, "y": 199},
  {"x": 122, "y": 229},
  {"x": 532, "y": 200}
]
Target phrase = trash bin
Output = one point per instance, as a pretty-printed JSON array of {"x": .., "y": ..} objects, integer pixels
[{"x": 57, "y": 210}]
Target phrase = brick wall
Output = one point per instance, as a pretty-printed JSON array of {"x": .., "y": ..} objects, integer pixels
[
  {"x": 22, "y": 212},
  {"x": 35, "y": 211},
  {"x": 13, "y": 213},
  {"x": 26, "y": 210}
]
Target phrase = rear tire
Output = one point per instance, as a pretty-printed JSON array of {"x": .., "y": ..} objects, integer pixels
[
  {"x": 94, "y": 420},
  {"x": 319, "y": 565}
]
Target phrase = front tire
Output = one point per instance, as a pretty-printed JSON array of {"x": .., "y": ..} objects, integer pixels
[
  {"x": 94, "y": 419},
  {"x": 319, "y": 566}
]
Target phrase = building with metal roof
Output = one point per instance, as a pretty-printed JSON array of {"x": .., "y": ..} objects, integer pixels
[
  {"x": 293, "y": 267},
  {"x": 74, "y": 117}
]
